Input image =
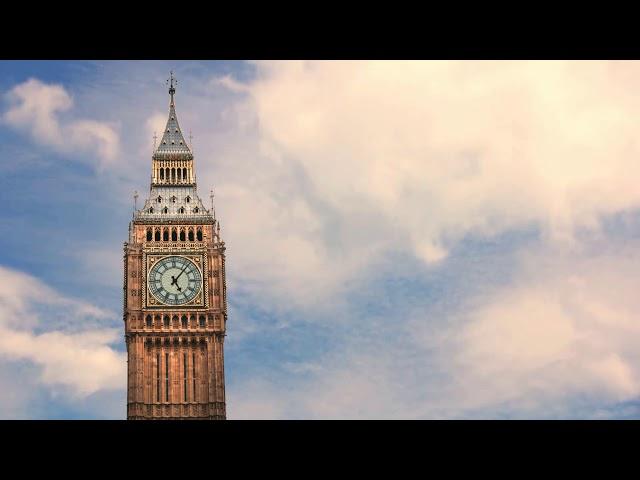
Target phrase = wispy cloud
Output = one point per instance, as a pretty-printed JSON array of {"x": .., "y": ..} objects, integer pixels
[
  {"x": 62, "y": 336},
  {"x": 37, "y": 108}
]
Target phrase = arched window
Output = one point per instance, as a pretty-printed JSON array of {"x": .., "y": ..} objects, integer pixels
[
  {"x": 188, "y": 199},
  {"x": 157, "y": 320},
  {"x": 159, "y": 199},
  {"x": 195, "y": 210},
  {"x": 173, "y": 174},
  {"x": 182, "y": 236},
  {"x": 179, "y": 175},
  {"x": 162, "y": 174},
  {"x": 149, "y": 321},
  {"x": 165, "y": 235},
  {"x": 166, "y": 321},
  {"x": 165, "y": 210},
  {"x": 157, "y": 235},
  {"x": 190, "y": 235},
  {"x": 174, "y": 320},
  {"x": 173, "y": 199},
  {"x": 174, "y": 235},
  {"x": 184, "y": 174},
  {"x": 181, "y": 210},
  {"x": 192, "y": 319},
  {"x": 184, "y": 321},
  {"x": 151, "y": 210},
  {"x": 199, "y": 235},
  {"x": 202, "y": 320},
  {"x": 149, "y": 235}
]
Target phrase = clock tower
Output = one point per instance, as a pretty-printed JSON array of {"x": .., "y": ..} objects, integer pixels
[{"x": 175, "y": 303}]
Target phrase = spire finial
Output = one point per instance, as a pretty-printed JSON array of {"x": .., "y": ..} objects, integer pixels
[
  {"x": 155, "y": 138},
  {"x": 213, "y": 206},
  {"x": 172, "y": 82},
  {"x": 135, "y": 201}
]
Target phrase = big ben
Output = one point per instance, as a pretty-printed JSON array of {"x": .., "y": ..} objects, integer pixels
[{"x": 175, "y": 308}]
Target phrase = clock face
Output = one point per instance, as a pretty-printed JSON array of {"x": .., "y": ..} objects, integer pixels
[{"x": 174, "y": 280}]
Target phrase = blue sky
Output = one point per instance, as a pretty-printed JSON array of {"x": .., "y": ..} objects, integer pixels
[{"x": 405, "y": 239}]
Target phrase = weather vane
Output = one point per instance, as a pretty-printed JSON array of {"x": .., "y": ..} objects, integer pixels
[{"x": 172, "y": 82}]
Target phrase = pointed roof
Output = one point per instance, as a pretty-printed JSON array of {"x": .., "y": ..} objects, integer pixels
[{"x": 172, "y": 142}]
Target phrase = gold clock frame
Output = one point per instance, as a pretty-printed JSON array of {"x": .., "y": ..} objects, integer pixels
[{"x": 199, "y": 258}]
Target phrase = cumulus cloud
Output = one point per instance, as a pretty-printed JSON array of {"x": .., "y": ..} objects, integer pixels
[
  {"x": 326, "y": 170},
  {"x": 569, "y": 327},
  {"x": 417, "y": 155},
  {"x": 62, "y": 336},
  {"x": 38, "y": 109},
  {"x": 83, "y": 361},
  {"x": 560, "y": 342}
]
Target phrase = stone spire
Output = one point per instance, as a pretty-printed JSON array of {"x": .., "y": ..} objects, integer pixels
[
  {"x": 173, "y": 193},
  {"x": 172, "y": 144}
]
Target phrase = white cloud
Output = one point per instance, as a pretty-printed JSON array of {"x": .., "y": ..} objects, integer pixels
[
  {"x": 62, "y": 336},
  {"x": 155, "y": 125},
  {"x": 568, "y": 328},
  {"x": 354, "y": 159},
  {"x": 83, "y": 361},
  {"x": 563, "y": 335},
  {"x": 230, "y": 83},
  {"x": 38, "y": 109},
  {"x": 323, "y": 169},
  {"x": 89, "y": 134},
  {"x": 104, "y": 258}
]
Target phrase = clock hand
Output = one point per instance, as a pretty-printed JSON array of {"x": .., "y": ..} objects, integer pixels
[
  {"x": 175, "y": 280},
  {"x": 185, "y": 267}
]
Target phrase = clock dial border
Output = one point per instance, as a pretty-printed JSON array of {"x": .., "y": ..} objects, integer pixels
[
  {"x": 201, "y": 299},
  {"x": 158, "y": 289}
]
